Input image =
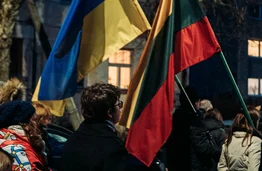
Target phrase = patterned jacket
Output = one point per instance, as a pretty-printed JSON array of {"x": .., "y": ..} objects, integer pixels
[{"x": 15, "y": 143}]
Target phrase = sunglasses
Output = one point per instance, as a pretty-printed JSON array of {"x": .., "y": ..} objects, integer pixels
[{"x": 120, "y": 104}]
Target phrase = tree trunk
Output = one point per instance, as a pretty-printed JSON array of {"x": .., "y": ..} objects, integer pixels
[
  {"x": 39, "y": 27},
  {"x": 8, "y": 12}
]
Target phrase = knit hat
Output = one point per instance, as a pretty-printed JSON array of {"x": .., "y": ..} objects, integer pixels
[{"x": 15, "y": 112}]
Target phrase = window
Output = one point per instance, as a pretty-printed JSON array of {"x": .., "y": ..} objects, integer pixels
[
  {"x": 255, "y": 86},
  {"x": 119, "y": 69},
  {"x": 255, "y": 48},
  {"x": 255, "y": 12}
]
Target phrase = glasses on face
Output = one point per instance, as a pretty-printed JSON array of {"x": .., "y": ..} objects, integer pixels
[{"x": 119, "y": 104}]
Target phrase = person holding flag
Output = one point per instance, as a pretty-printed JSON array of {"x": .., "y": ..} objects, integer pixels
[
  {"x": 181, "y": 36},
  {"x": 95, "y": 146}
]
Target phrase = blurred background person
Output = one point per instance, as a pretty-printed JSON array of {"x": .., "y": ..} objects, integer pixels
[
  {"x": 242, "y": 149},
  {"x": 216, "y": 133},
  {"x": 20, "y": 137},
  {"x": 203, "y": 106}
]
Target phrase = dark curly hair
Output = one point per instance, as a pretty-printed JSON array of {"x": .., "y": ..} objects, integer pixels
[
  {"x": 98, "y": 99},
  {"x": 33, "y": 134}
]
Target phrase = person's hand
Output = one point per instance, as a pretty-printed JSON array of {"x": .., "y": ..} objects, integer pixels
[{"x": 197, "y": 104}]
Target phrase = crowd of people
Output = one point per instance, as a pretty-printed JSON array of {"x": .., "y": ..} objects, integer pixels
[{"x": 199, "y": 140}]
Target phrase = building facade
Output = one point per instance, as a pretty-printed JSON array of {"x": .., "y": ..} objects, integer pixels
[{"x": 243, "y": 53}]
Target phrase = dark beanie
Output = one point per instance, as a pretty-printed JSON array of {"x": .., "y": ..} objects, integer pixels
[{"x": 15, "y": 112}]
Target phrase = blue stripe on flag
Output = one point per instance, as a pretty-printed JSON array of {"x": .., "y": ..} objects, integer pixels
[{"x": 59, "y": 77}]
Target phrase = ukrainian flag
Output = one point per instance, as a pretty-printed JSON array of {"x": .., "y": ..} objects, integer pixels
[{"x": 92, "y": 31}]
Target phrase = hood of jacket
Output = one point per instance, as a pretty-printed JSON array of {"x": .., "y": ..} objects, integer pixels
[{"x": 212, "y": 124}]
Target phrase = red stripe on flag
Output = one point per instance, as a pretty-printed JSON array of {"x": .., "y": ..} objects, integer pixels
[
  {"x": 153, "y": 127},
  {"x": 194, "y": 44}
]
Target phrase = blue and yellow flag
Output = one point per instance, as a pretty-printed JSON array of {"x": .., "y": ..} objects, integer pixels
[{"x": 91, "y": 32}]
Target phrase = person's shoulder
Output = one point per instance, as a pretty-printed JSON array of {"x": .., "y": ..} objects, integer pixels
[
  {"x": 115, "y": 143},
  {"x": 256, "y": 139}
]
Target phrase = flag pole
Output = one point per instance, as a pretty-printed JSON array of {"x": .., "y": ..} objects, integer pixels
[
  {"x": 246, "y": 113},
  {"x": 182, "y": 88},
  {"x": 75, "y": 118}
]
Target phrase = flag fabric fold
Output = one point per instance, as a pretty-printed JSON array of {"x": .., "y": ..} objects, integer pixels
[
  {"x": 91, "y": 32},
  {"x": 181, "y": 36}
]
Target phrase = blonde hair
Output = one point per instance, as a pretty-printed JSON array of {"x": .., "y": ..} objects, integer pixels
[
  {"x": 13, "y": 89},
  {"x": 205, "y": 104}
]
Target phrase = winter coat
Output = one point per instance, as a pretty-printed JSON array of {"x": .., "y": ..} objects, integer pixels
[
  {"x": 178, "y": 146},
  {"x": 188, "y": 147},
  {"x": 241, "y": 158},
  {"x": 14, "y": 141},
  {"x": 96, "y": 147},
  {"x": 217, "y": 136},
  {"x": 202, "y": 151},
  {"x": 217, "y": 131}
]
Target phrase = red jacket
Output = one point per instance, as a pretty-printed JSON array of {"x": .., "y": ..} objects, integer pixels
[{"x": 25, "y": 158}]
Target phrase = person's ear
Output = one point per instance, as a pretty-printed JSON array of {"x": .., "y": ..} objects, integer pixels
[{"x": 110, "y": 113}]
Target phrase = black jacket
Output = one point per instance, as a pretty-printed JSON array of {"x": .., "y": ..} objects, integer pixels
[
  {"x": 188, "y": 147},
  {"x": 217, "y": 131},
  {"x": 178, "y": 146},
  {"x": 96, "y": 147},
  {"x": 217, "y": 136}
]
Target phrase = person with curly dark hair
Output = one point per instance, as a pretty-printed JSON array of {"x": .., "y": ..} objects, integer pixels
[
  {"x": 95, "y": 146},
  {"x": 20, "y": 137}
]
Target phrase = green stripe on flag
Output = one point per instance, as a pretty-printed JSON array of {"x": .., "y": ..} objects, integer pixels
[
  {"x": 157, "y": 66},
  {"x": 187, "y": 12}
]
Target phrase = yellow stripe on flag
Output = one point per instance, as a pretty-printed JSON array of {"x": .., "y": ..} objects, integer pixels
[
  {"x": 133, "y": 90},
  {"x": 110, "y": 26},
  {"x": 106, "y": 29},
  {"x": 56, "y": 107}
]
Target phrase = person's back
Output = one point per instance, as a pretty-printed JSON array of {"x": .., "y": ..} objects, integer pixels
[
  {"x": 19, "y": 136},
  {"x": 178, "y": 146},
  {"x": 242, "y": 149},
  {"x": 216, "y": 133},
  {"x": 241, "y": 157},
  {"x": 95, "y": 145},
  {"x": 202, "y": 151}
]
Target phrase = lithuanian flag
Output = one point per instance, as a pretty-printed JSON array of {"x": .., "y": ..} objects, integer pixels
[{"x": 181, "y": 36}]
